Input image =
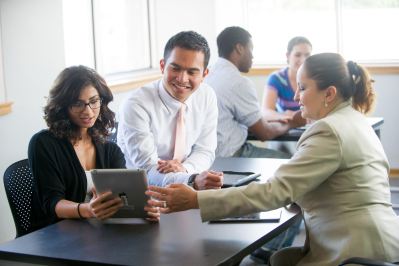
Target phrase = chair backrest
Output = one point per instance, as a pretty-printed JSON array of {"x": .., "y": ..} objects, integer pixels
[{"x": 18, "y": 183}]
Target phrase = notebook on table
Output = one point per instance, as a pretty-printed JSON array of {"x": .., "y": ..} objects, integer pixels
[
  {"x": 272, "y": 216},
  {"x": 235, "y": 179}
]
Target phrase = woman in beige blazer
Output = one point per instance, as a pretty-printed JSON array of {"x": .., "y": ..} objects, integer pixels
[{"x": 339, "y": 174}]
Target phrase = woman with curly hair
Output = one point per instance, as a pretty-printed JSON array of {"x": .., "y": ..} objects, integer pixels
[{"x": 78, "y": 120}]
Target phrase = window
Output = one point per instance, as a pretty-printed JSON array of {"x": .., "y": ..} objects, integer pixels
[
  {"x": 78, "y": 33},
  {"x": 358, "y": 29},
  {"x": 368, "y": 30},
  {"x": 121, "y": 36}
]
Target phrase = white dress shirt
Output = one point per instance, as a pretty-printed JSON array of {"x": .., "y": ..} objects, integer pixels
[
  {"x": 238, "y": 106},
  {"x": 146, "y": 131}
]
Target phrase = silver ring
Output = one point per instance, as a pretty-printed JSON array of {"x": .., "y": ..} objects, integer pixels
[{"x": 164, "y": 204}]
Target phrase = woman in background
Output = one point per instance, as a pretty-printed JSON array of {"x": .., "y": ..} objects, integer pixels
[
  {"x": 278, "y": 100},
  {"x": 79, "y": 121},
  {"x": 338, "y": 176}
]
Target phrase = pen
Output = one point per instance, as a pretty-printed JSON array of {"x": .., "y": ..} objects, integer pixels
[{"x": 246, "y": 180}]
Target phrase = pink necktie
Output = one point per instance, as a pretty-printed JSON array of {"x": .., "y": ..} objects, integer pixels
[{"x": 180, "y": 137}]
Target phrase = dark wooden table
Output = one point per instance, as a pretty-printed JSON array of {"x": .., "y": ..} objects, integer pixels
[{"x": 179, "y": 238}]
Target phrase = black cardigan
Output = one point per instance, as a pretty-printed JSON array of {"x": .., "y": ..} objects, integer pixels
[{"x": 58, "y": 174}]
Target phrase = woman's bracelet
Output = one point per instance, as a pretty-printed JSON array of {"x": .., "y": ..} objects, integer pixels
[{"x": 80, "y": 215}]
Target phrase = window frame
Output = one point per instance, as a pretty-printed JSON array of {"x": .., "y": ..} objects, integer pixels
[
  {"x": 338, "y": 10},
  {"x": 120, "y": 83},
  {"x": 134, "y": 74}
]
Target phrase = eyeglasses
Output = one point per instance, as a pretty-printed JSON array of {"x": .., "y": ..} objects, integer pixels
[{"x": 80, "y": 106}]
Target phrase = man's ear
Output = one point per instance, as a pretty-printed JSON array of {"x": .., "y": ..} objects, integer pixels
[
  {"x": 331, "y": 94},
  {"x": 162, "y": 65},
  {"x": 239, "y": 48},
  {"x": 206, "y": 72}
]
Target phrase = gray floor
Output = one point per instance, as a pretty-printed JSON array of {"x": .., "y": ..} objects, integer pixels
[{"x": 300, "y": 238}]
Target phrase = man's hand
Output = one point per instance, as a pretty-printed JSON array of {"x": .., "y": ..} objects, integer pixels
[
  {"x": 152, "y": 212},
  {"x": 208, "y": 180},
  {"x": 173, "y": 198},
  {"x": 297, "y": 120},
  {"x": 168, "y": 166}
]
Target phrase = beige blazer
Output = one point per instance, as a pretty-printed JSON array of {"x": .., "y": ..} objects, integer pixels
[{"x": 339, "y": 177}]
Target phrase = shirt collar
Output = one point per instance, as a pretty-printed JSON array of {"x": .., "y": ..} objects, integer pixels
[
  {"x": 222, "y": 62},
  {"x": 170, "y": 102}
]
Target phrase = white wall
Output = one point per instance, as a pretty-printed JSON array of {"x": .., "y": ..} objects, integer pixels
[
  {"x": 33, "y": 55},
  {"x": 387, "y": 89}
]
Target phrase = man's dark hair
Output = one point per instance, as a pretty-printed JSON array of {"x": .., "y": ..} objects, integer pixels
[
  {"x": 229, "y": 38},
  {"x": 66, "y": 91},
  {"x": 189, "y": 40}
]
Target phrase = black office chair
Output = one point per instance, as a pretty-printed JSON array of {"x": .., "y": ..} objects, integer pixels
[
  {"x": 18, "y": 183},
  {"x": 366, "y": 262}
]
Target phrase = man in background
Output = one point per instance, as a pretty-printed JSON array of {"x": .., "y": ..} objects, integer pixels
[{"x": 239, "y": 112}]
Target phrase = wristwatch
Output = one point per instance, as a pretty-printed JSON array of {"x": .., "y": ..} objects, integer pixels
[{"x": 191, "y": 180}]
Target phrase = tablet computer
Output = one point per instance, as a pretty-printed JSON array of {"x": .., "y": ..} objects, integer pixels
[
  {"x": 272, "y": 216},
  {"x": 236, "y": 179},
  {"x": 129, "y": 184}
]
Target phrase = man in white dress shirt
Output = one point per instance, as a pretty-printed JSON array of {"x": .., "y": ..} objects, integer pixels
[
  {"x": 238, "y": 104},
  {"x": 239, "y": 112},
  {"x": 148, "y": 118}
]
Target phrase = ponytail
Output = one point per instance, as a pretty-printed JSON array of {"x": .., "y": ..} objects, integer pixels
[
  {"x": 363, "y": 92},
  {"x": 352, "y": 81}
]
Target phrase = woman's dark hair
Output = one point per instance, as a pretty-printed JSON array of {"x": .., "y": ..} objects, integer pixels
[
  {"x": 65, "y": 91},
  {"x": 351, "y": 80},
  {"x": 297, "y": 40}
]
